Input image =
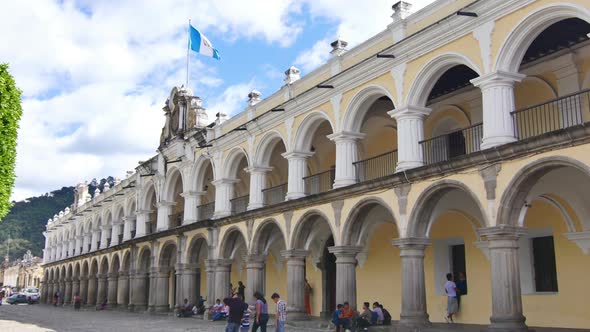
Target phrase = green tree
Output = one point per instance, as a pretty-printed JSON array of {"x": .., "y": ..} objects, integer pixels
[{"x": 10, "y": 113}]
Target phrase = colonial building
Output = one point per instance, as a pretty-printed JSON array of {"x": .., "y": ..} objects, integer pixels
[
  {"x": 25, "y": 272},
  {"x": 455, "y": 140}
]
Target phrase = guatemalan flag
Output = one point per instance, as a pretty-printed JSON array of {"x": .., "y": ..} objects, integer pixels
[{"x": 200, "y": 44}]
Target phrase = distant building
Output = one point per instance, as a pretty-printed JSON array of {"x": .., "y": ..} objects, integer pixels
[{"x": 23, "y": 272}]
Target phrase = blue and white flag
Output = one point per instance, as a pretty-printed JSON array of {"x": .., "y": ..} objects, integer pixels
[{"x": 200, "y": 44}]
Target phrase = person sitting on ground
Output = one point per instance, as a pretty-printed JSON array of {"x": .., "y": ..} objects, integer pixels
[
  {"x": 364, "y": 320},
  {"x": 346, "y": 316},
  {"x": 217, "y": 311},
  {"x": 336, "y": 317},
  {"x": 185, "y": 310},
  {"x": 377, "y": 310},
  {"x": 103, "y": 306},
  {"x": 386, "y": 315}
]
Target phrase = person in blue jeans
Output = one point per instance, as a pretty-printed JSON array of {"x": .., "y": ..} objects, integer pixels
[
  {"x": 281, "y": 315},
  {"x": 336, "y": 317},
  {"x": 236, "y": 312}
]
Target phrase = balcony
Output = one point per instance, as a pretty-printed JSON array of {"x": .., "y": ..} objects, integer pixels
[
  {"x": 320, "y": 182},
  {"x": 451, "y": 145},
  {"x": 176, "y": 219},
  {"x": 240, "y": 204},
  {"x": 205, "y": 211},
  {"x": 560, "y": 113},
  {"x": 133, "y": 234},
  {"x": 120, "y": 237},
  {"x": 376, "y": 167},
  {"x": 275, "y": 195}
]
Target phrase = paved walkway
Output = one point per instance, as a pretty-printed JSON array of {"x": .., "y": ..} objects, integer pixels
[{"x": 37, "y": 318}]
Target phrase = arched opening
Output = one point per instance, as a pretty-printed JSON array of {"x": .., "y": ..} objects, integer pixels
[
  {"x": 275, "y": 168},
  {"x": 118, "y": 225},
  {"x": 268, "y": 244},
  {"x": 166, "y": 279},
  {"x": 174, "y": 200},
  {"x": 449, "y": 214},
  {"x": 124, "y": 291},
  {"x": 84, "y": 284},
  {"x": 319, "y": 151},
  {"x": 113, "y": 281},
  {"x": 92, "y": 283},
  {"x": 550, "y": 199},
  {"x": 314, "y": 234},
  {"x": 141, "y": 294},
  {"x": 132, "y": 215},
  {"x": 151, "y": 208},
  {"x": 102, "y": 290},
  {"x": 233, "y": 249},
  {"x": 453, "y": 128},
  {"x": 553, "y": 57},
  {"x": 203, "y": 183},
  {"x": 196, "y": 286},
  {"x": 371, "y": 226},
  {"x": 108, "y": 230},
  {"x": 237, "y": 172}
]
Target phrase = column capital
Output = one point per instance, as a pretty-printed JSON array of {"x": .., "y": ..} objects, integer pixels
[
  {"x": 498, "y": 77},
  {"x": 166, "y": 204},
  {"x": 220, "y": 262},
  {"x": 409, "y": 112},
  {"x": 259, "y": 169},
  {"x": 224, "y": 181},
  {"x": 295, "y": 254},
  {"x": 112, "y": 275},
  {"x": 144, "y": 212},
  {"x": 345, "y": 251},
  {"x": 255, "y": 261},
  {"x": 411, "y": 243},
  {"x": 193, "y": 193},
  {"x": 297, "y": 155},
  {"x": 502, "y": 231},
  {"x": 346, "y": 136}
]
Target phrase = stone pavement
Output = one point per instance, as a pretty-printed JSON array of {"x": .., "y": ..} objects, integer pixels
[{"x": 37, "y": 318}]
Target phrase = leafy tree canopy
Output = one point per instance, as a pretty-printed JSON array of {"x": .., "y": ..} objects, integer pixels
[{"x": 10, "y": 113}]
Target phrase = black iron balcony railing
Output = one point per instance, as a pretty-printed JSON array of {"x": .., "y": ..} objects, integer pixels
[
  {"x": 133, "y": 234},
  {"x": 120, "y": 238},
  {"x": 108, "y": 242},
  {"x": 451, "y": 145},
  {"x": 560, "y": 113},
  {"x": 320, "y": 182},
  {"x": 81, "y": 249},
  {"x": 205, "y": 211},
  {"x": 274, "y": 195},
  {"x": 239, "y": 204},
  {"x": 98, "y": 245},
  {"x": 376, "y": 167},
  {"x": 176, "y": 219},
  {"x": 89, "y": 246}
]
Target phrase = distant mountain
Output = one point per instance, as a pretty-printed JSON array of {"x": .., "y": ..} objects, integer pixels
[{"x": 25, "y": 223}]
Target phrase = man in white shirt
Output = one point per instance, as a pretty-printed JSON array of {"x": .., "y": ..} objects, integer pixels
[{"x": 452, "y": 305}]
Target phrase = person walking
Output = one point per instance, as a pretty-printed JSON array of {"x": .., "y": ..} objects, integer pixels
[
  {"x": 261, "y": 313},
  {"x": 77, "y": 302},
  {"x": 451, "y": 290},
  {"x": 281, "y": 314},
  {"x": 236, "y": 312}
]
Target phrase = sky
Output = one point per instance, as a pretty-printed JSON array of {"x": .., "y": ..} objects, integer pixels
[{"x": 95, "y": 73}]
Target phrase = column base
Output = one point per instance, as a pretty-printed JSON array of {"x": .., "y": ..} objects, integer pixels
[
  {"x": 292, "y": 196},
  {"x": 339, "y": 183},
  {"x": 406, "y": 165},
  {"x": 490, "y": 142},
  {"x": 297, "y": 314},
  {"x": 508, "y": 324},
  {"x": 255, "y": 206},
  {"x": 161, "y": 308},
  {"x": 221, "y": 214},
  {"x": 414, "y": 321}
]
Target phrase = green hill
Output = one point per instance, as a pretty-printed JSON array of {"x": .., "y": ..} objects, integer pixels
[{"x": 25, "y": 223}]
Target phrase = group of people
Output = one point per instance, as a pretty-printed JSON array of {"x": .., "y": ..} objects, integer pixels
[
  {"x": 346, "y": 318},
  {"x": 238, "y": 313},
  {"x": 454, "y": 291},
  {"x": 76, "y": 301}
]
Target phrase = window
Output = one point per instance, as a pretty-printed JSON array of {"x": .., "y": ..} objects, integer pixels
[
  {"x": 544, "y": 267},
  {"x": 449, "y": 256}
]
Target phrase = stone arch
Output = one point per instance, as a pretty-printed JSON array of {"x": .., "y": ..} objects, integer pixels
[
  {"x": 431, "y": 72},
  {"x": 197, "y": 247},
  {"x": 199, "y": 170},
  {"x": 360, "y": 104},
  {"x": 126, "y": 261},
  {"x": 232, "y": 240},
  {"x": 232, "y": 162},
  {"x": 441, "y": 117},
  {"x": 77, "y": 270},
  {"x": 147, "y": 196},
  {"x": 144, "y": 259},
  {"x": 115, "y": 265},
  {"x": 130, "y": 206},
  {"x": 427, "y": 208},
  {"x": 85, "y": 268},
  {"x": 515, "y": 45},
  {"x": 268, "y": 232},
  {"x": 266, "y": 146},
  {"x": 170, "y": 188},
  {"x": 70, "y": 271},
  {"x": 308, "y": 126},
  {"x": 167, "y": 256},
  {"x": 515, "y": 199},
  {"x": 356, "y": 230},
  {"x": 303, "y": 235},
  {"x": 104, "y": 265}
]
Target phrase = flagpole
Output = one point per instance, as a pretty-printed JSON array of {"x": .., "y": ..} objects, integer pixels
[{"x": 188, "y": 46}]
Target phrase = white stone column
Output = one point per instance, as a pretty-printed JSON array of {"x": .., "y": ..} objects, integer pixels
[
  {"x": 297, "y": 170},
  {"x": 410, "y": 132},
  {"x": 210, "y": 272},
  {"x": 79, "y": 244},
  {"x": 254, "y": 276},
  {"x": 186, "y": 283},
  {"x": 115, "y": 233},
  {"x": 296, "y": 283},
  {"x": 346, "y": 155},
  {"x": 72, "y": 246},
  {"x": 346, "y": 273},
  {"x": 224, "y": 190},
  {"x": 104, "y": 235},
  {"x": 222, "y": 278},
  {"x": 94, "y": 240},
  {"x": 192, "y": 199},
  {"x": 102, "y": 288},
  {"x": 112, "y": 284},
  {"x": 123, "y": 289},
  {"x": 85, "y": 238},
  {"x": 163, "y": 219},
  {"x": 257, "y": 185},
  {"x": 413, "y": 313},
  {"x": 143, "y": 217},
  {"x": 126, "y": 229},
  {"x": 497, "y": 90},
  {"x": 506, "y": 294}
]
